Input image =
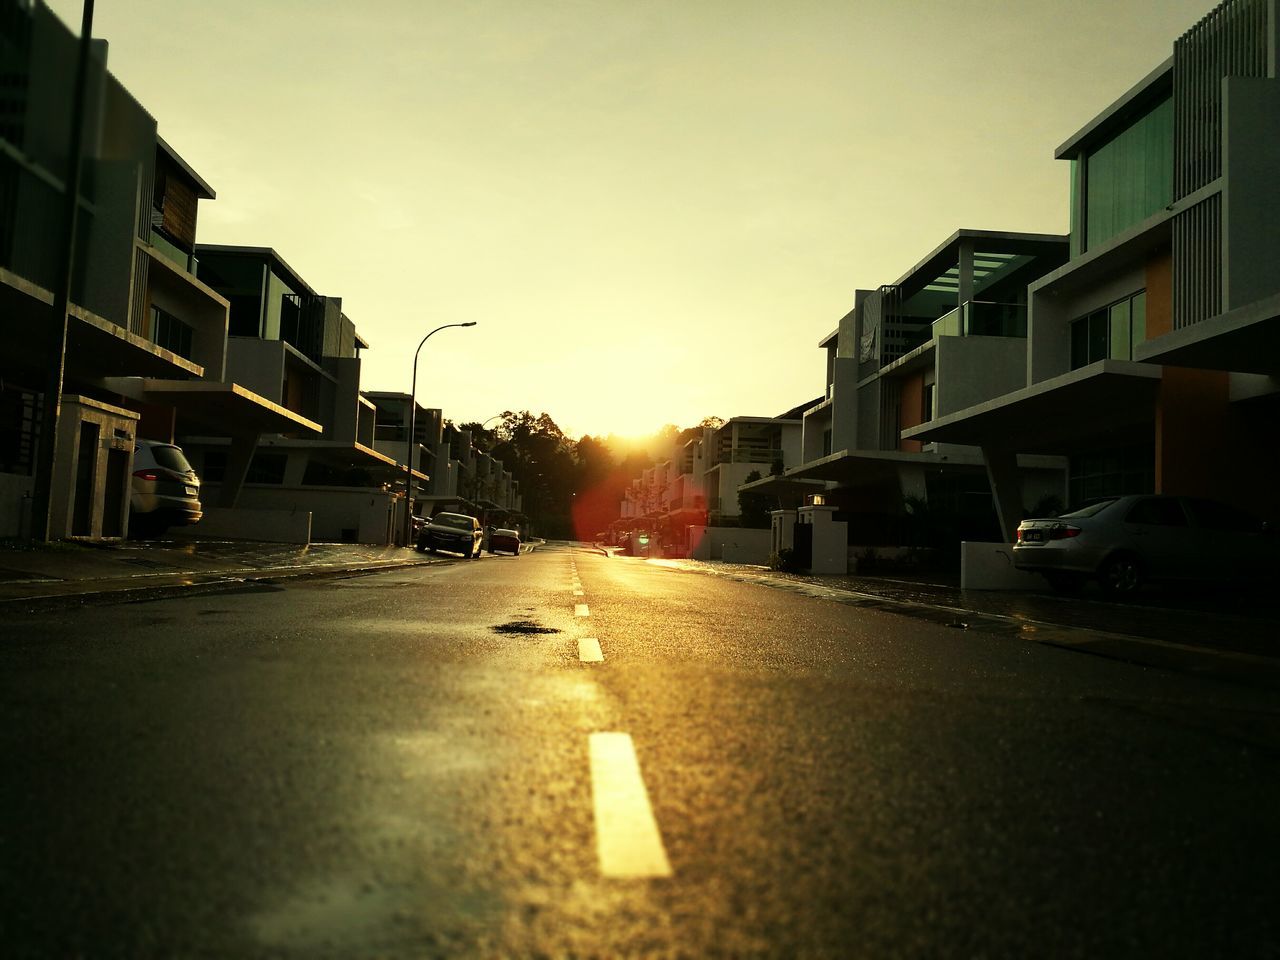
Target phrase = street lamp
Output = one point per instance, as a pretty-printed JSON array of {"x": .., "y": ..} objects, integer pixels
[{"x": 413, "y": 410}]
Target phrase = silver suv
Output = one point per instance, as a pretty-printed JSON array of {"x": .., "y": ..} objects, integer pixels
[
  {"x": 164, "y": 490},
  {"x": 456, "y": 532}
]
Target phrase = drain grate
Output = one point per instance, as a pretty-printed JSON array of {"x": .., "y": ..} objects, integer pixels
[{"x": 523, "y": 626}]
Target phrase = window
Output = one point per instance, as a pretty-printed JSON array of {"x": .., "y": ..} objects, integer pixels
[
  {"x": 1211, "y": 515},
  {"x": 171, "y": 333},
  {"x": 1111, "y": 473},
  {"x": 926, "y": 403},
  {"x": 1157, "y": 512},
  {"x": 1130, "y": 177},
  {"x": 246, "y": 315},
  {"x": 1111, "y": 332},
  {"x": 267, "y": 468}
]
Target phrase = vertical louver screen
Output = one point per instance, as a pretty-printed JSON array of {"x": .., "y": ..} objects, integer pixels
[
  {"x": 1197, "y": 256},
  {"x": 1230, "y": 41}
]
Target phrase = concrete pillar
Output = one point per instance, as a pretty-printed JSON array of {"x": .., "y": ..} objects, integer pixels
[
  {"x": 1006, "y": 488},
  {"x": 783, "y": 523},
  {"x": 239, "y": 455},
  {"x": 830, "y": 539},
  {"x": 965, "y": 292}
]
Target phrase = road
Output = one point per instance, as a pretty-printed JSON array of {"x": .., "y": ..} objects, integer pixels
[{"x": 439, "y": 762}]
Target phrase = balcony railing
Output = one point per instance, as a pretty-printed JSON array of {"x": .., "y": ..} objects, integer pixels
[
  {"x": 688, "y": 503},
  {"x": 981, "y": 318},
  {"x": 748, "y": 455}
]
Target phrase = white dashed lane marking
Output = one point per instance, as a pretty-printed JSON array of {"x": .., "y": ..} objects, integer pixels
[
  {"x": 580, "y": 610},
  {"x": 589, "y": 650},
  {"x": 628, "y": 842}
]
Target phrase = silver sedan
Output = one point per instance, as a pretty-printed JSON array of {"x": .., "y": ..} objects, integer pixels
[{"x": 1128, "y": 541}]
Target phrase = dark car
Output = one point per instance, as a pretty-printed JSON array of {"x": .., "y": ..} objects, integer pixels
[
  {"x": 455, "y": 532},
  {"x": 1124, "y": 542},
  {"x": 502, "y": 539},
  {"x": 164, "y": 490}
]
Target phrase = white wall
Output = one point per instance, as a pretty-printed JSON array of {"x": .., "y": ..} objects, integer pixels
[{"x": 15, "y": 503}]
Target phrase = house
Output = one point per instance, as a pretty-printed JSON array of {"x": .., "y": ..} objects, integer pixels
[
  {"x": 949, "y": 332},
  {"x": 297, "y": 348},
  {"x": 1152, "y": 352},
  {"x": 146, "y": 340}
]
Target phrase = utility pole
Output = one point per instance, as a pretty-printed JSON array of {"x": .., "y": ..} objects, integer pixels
[{"x": 57, "y": 351}]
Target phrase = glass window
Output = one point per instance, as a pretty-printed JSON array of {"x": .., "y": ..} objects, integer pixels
[
  {"x": 1220, "y": 516},
  {"x": 1121, "y": 347},
  {"x": 1092, "y": 510},
  {"x": 1080, "y": 343},
  {"x": 267, "y": 468},
  {"x": 1130, "y": 177},
  {"x": 171, "y": 458},
  {"x": 1158, "y": 512}
]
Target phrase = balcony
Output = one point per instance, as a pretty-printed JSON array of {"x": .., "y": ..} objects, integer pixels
[
  {"x": 749, "y": 455},
  {"x": 981, "y": 318}
]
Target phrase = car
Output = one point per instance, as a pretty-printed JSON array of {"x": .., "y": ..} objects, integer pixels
[
  {"x": 455, "y": 532},
  {"x": 503, "y": 539},
  {"x": 164, "y": 490},
  {"x": 1126, "y": 542}
]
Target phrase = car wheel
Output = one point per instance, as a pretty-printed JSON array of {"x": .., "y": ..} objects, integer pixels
[
  {"x": 1121, "y": 575},
  {"x": 421, "y": 546},
  {"x": 430, "y": 548},
  {"x": 1065, "y": 583}
]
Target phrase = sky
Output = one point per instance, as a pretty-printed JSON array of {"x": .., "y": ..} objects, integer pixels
[{"x": 653, "y": 210}]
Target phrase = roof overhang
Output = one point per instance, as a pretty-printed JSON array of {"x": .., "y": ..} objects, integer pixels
[
  {"x": 784, "y": 487},
  {"x": 1155, "y": 85},
  {"x": 872, "y": 466},
  {"x": 96, "y": 347},
  {"x": 1244, "y": 340},
  {"x": 1108, "y": 401},
  {"x": 211, "y": 407},
  {"x": 203, "y": 190}
]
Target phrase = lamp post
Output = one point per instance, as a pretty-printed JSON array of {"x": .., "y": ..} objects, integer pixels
[{"x": 413, "y": 410}]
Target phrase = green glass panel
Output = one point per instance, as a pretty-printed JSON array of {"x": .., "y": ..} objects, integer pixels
[
  {"x": 1120, "y": 347},
  {"x": 1130, "y": 177}
]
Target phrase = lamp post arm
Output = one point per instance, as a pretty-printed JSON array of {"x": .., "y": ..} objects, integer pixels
[{"x": 413, "y": 410}]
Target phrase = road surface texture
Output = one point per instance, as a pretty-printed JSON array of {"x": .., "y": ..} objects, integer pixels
[{"x": 564, "y": 754}]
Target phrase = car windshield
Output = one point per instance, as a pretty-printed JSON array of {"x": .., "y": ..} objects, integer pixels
[
  {"x": 171, "y": 458},
  {"x": 453, "y": 520},
  {"x": 1090, "y": 510}
]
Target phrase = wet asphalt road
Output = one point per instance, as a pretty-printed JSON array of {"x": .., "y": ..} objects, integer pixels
[{"x": 366, "y": 768}]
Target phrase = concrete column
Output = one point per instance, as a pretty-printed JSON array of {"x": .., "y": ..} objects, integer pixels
[
  {"x": 784, "y": 530},
  {"x": 830, "y": 539},
  {"x": 965, "y": 292},
  {"x": 239, "y": 456},
  {"x": 1006, "y": 488}
]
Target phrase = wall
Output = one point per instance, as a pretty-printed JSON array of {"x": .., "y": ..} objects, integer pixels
[
  {"x": 1251, "y": 195},
  {"x": 338, "y": 514},
  {"x": 911, "y": 409},
  {"x": 263, "y": 526},
  {"x": 257, "y": 365},
  {"x": 1050, "y": 315},
  {"x": 971, "y": 370},
  {"x": 844, "y": 410},
  {"x": 730, "y": 544},
  {"x": 15, "y": 504}
]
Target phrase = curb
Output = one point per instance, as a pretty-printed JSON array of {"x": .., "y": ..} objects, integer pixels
[
  {"x": 1243, "y": 668},
  {"x": 210, "y": 582}
]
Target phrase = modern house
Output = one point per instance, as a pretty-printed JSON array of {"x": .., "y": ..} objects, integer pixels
[
  {"x": 299, "y": 349},
  {"x": 949, "y": 332},
  {"x": 146, "y": 340},
  {"x": 1152, "y": 355}
]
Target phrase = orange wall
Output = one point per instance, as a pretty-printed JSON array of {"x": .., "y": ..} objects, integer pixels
[
  {"x": 1194, "y": 427},
  {"x": 1159, "y": 295},
  {"x": 911, "y": 409}
]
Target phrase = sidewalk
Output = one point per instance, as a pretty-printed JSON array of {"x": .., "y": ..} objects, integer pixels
[
  {"x": 1227, "y": 634},
  {"x": 67, "y": 570}
]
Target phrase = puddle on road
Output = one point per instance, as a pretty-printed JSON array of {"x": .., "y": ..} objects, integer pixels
[{"x": 523, "y": 626}]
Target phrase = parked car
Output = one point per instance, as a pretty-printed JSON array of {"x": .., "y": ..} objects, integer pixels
[
  {"x": 503, "y": 539},
  {"x": 164, "y": 490},
  {"x": 455, "y": 532},
  {"x": 1125, "y": 542}
]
